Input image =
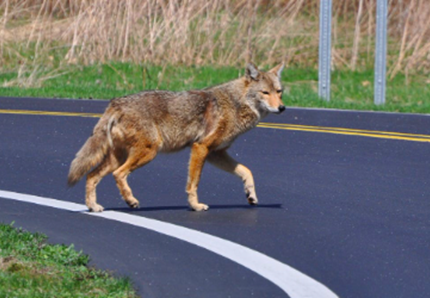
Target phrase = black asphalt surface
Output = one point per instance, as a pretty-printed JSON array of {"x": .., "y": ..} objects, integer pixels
[{"x": 352, "y": 212}]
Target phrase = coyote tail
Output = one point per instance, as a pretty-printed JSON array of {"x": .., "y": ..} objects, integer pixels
[{"x": 92, "y": 152}]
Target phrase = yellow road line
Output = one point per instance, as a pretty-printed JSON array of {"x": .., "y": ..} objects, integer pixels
[
  {"x": 379, "y": 134},
  {"x": 49, "y": 113},
  {"x": 283, "y": 126},
  {"x": 297, "y": 126}
]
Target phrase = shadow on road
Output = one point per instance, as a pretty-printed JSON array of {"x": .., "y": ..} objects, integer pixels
[{"x": 171, "y": 208}]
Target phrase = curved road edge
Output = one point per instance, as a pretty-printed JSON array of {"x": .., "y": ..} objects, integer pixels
[{"x": 290, "y": 280}]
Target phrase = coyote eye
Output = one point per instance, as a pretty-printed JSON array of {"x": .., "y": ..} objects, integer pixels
[
  {"x": 279, "y": 91},
  {"x": 265, "y": 92}
]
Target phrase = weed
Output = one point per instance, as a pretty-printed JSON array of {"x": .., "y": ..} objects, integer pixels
[
  {"x": 221, "y": 32},
  {"x": 30, "y": 267},
  {"x": 350, "y": 89}
]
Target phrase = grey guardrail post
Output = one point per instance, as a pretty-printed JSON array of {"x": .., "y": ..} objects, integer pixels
[
  {"x": 380, "y": 51},
  {"x": 324, "y": 50}
]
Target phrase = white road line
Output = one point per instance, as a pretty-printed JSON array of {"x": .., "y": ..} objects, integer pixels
[{"x": 292, "y": 281}]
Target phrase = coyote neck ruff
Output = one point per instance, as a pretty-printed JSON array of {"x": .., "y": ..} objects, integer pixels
[{"x": 135, "y": 128}]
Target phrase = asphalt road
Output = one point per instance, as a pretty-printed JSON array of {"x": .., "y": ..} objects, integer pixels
[{"x": 348, "y": 206}]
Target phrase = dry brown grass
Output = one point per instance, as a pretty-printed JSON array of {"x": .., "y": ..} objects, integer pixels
[{"x": 218, "y": 32}]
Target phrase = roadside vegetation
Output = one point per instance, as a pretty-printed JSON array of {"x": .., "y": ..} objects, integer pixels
[
  {"x": 103, "y": 49},
  {"x": 30, "y": 267},
  {"x": 350, "y": 89}
]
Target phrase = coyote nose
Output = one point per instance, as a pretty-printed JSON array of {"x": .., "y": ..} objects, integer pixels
[{"x": 281, "y": 109}]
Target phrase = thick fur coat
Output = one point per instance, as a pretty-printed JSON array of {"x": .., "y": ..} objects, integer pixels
[{"x": 135, "y": 128}]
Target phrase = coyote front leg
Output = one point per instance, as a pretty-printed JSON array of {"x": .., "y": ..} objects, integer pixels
[
  {"x": 222, "y": 160},
  {"x": 199, "y": 152}
]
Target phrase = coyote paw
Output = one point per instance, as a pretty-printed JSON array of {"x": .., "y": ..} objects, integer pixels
[
  {"x": 200, "y": 207},
  {"x": 252, "y": 200},
  {"x": 96, "y": 208},
  {"x": 133, "y": 204}
]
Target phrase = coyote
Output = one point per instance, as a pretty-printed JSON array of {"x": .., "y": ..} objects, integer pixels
[{"x": 134, "y": 128}]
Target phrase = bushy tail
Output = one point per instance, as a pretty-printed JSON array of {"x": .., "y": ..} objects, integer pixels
[{"x": 91, "y": 153}]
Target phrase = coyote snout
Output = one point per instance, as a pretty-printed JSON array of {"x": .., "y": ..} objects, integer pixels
[{"x": 135, "y": 128}]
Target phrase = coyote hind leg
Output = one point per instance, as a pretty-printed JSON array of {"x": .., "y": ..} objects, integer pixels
[
  {"x": 222, "y": 160},
  {"x": 137, "y": 157},
  {"x": 108, "y": 165}
]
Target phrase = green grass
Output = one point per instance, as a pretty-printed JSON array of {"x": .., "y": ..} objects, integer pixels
[
  {"x": 32, "y": 268},
  {"x": 350, "y": 90}
]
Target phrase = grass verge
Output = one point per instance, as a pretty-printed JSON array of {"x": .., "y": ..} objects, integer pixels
[
  {"x": 350, "y": 89},
  {"x": 29, "y": 267}
]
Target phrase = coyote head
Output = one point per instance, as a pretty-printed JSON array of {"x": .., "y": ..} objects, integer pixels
[{"x": 265, "y": 89}]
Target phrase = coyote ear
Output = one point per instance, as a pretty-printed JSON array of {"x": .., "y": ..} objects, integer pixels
[
  {"x": 277, "y": 70},
  {"x": 252, "y": 72}
]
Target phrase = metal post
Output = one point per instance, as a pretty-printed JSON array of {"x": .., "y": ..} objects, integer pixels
[
  {"x": 324, "y": 50},
  {"x": 380, "y": 51}
]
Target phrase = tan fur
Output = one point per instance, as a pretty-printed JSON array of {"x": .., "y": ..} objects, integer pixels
[{"x": 135, "y": 128}]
